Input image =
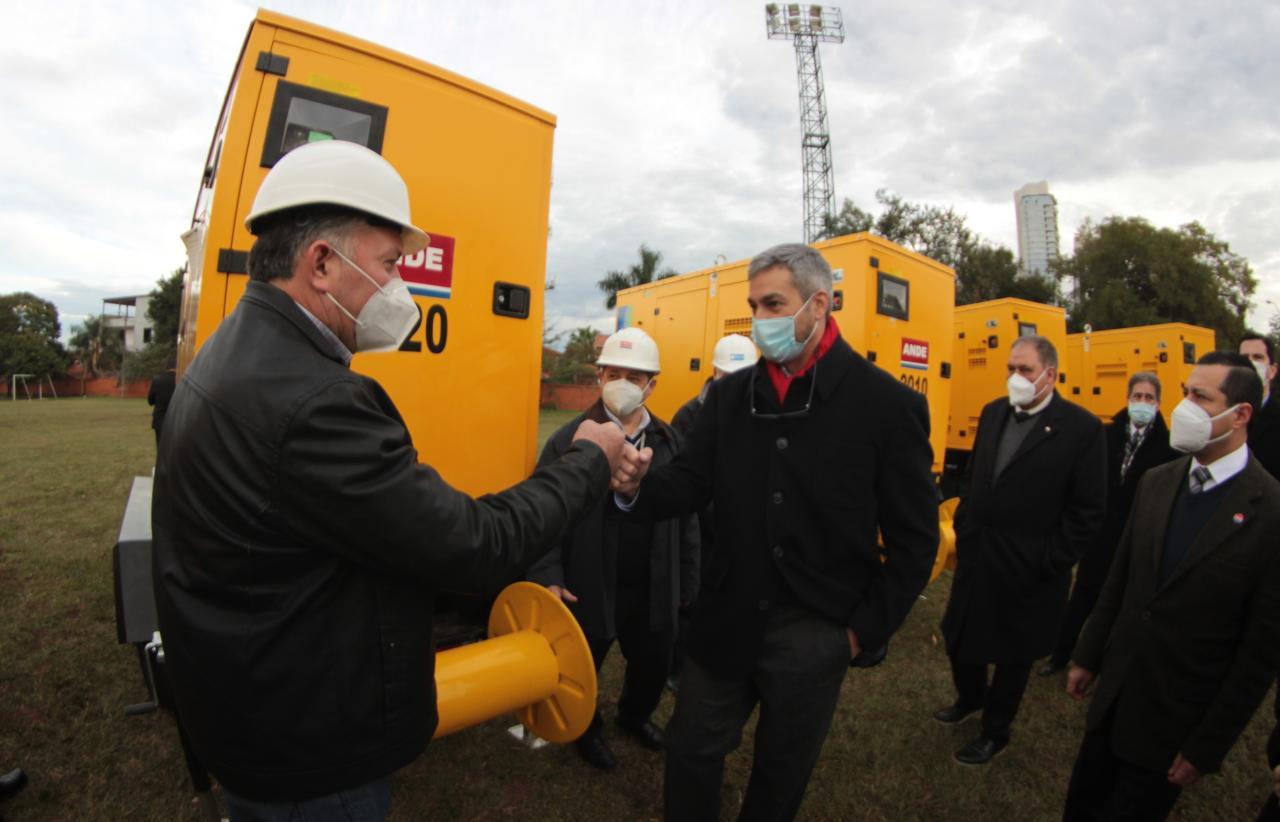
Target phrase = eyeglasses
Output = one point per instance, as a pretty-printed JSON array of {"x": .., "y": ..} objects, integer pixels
[{"x": 784, "y": 415}]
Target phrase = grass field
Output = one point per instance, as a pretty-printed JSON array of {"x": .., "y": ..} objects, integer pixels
[{"x": 65, "y": 471}]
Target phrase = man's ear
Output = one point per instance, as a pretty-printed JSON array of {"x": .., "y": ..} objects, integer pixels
[
  {"x": 319, "y": 264},
  {"x": 823, "y": 298},
  {"x": 1242, "y": 418}
]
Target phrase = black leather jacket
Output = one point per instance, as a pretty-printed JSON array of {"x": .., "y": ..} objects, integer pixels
[{"x": 298, "y": 542}]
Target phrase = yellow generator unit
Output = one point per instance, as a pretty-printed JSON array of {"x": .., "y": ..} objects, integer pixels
[
  {"x": 892, "y": 305},
  {"x": 1099, "y": 363},
  {"x": 478, "y": 166},
  {"x": 983, "y": 334}
]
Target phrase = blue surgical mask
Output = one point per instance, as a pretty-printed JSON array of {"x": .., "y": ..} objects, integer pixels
[
  {"x": 1141, "y": 413},
  {"x": 776, "y": 337}
]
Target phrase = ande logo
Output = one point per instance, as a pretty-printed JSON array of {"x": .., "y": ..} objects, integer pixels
[
  {"x": 429, "y": 273},
  {"x": 915, "y": 354}
]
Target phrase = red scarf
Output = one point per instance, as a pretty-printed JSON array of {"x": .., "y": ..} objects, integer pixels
[{"x": 782, "y": 380}]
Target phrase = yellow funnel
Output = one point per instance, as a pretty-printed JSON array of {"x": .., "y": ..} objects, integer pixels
[{"x": 537, "y": 663}]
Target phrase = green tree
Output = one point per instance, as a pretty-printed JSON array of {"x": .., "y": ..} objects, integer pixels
[
  {"x": 97, "y": 347},
  {"x": 577, "y": 363},
  {"x": 990, "y": 272},
  {"x": 164, "y": 308},
  {"x": 983, "y": 271},
  {"x": 645, "y": 271},
  {"x": 1128, "y": 272},
  {"x": 29, "y": 332}
]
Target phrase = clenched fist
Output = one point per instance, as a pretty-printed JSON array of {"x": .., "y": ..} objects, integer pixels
[
  {"x": 627, "y": 476},
  {"x": 610, "y": 439}
]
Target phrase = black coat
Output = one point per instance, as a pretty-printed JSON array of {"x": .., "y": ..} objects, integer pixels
[
  {"x": 799, "y": 501},
  {"x": 585, "y": 561},
  {"x": 1186, "y": 664},
  {"x": 298, "y": 544},
  {"x": 159, "y": 395},
  {"x": 1154, "y": 451},
  {"x": 686, "y": 416},
  {"x": 1264, "y": 436},
  {"x": 1019, "y": 534}
]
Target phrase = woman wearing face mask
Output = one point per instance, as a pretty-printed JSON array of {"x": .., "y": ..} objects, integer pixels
[
  {"x": 625, "y": 579},
  {"x": 1137, "y": 439}
]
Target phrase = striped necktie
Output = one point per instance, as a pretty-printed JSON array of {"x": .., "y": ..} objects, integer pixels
[
  {"x": 1131, "y": 448},
  {"x": 1199, "y": 476}
]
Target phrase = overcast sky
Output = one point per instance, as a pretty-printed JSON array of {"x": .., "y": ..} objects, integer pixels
[{"x": 678, "y": 123}]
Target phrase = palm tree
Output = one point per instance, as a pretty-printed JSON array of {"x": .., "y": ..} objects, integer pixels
[
  {"x": 646, "y": 271},
  {"x": 97, "y": 347}
]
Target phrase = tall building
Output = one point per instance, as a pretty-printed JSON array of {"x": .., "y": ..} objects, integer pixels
[{"x": 1037, "y": 212}]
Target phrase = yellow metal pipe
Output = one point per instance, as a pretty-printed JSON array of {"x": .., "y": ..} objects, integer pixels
[{"x": 477, "y": 682}]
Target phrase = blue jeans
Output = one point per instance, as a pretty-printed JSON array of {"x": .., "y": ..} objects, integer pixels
[{"x": 368, "y": 803}]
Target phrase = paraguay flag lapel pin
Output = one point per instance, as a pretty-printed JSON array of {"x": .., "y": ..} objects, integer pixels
[{"x": 1238, "y": 519}]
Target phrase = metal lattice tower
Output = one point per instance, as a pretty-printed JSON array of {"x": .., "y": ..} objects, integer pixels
[{"x": 806, "y": 26}]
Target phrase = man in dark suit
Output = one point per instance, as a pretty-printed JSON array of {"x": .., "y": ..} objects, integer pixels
[
  {"x": 806, "y": 455},
  {"x": 159, "y": 395},
  {"x": 1137, "y": 439},
  {"x": 622, "y": 579},
  {"x": 1264, "y": 427},
  {"x": 1186, "y": 635},
  {"x": 1264, "y": 443},
  {"x": 1035, "y": 502}
]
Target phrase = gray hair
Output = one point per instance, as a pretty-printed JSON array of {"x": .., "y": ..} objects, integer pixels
[
  {"x": 1144, "y": 376},
  {"x": 281, "y": 238},
  {"x": 1047, "y": 353},
  {"x": 809, "y": 271}
]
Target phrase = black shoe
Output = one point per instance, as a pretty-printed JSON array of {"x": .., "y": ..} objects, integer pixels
[
  {"x": 1050, "y": 668},
  {"x": 645, "y": 732},
  {"x": 596, "y": 752},
  {"x": 980, "y": 751},
  {"x": 12, "y": 783},
  {"x": 955, "y": 713}
]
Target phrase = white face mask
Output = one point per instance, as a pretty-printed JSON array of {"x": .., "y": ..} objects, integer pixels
[
  {"x": 388, "y": 316},
  {"x": 1190, "y": 427},
  {"x": 1022, "y": 390},
  {"x": 622, "y": 397}
]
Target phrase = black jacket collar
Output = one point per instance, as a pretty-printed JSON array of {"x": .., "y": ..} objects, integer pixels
[{"x": 271, "y": 298}]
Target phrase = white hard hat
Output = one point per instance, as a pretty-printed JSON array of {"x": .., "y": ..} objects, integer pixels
[
  {"x": 342, "y": 173},
  {"x": 733, "y": 353},
  {"x": 630, "y": 348}
]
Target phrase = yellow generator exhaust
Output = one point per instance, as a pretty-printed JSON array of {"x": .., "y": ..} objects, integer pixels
[{"x": 536, "y": 663}]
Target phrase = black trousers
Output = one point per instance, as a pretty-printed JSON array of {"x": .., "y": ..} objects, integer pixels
[
  {"x": 1078, "y": 609},
  {"x": 998, "y": 699},
  {"x": 796, "y": 680},
  {"x": 648, "y": 655},
  {"x": 1105, "y": 787}
]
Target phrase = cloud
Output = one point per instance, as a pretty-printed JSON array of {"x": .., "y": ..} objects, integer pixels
[{"x": 677, "y": 123}]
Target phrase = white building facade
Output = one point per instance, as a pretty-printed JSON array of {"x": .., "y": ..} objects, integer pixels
[
  {"x": 129, "y": 314},
  {"x": 1037, "y": 213}
]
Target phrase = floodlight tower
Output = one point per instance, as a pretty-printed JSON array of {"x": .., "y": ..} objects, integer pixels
[{"x": 806, "y": 26}]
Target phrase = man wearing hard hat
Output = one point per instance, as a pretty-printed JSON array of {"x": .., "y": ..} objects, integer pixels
[
  {"x": 298, "y": 539},
  {"x": 733, "y": 352},
  {"x": 625, "y": 579}
]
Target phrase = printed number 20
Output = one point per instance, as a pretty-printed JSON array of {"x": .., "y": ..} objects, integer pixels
[{"x": 437, "y": 331}]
